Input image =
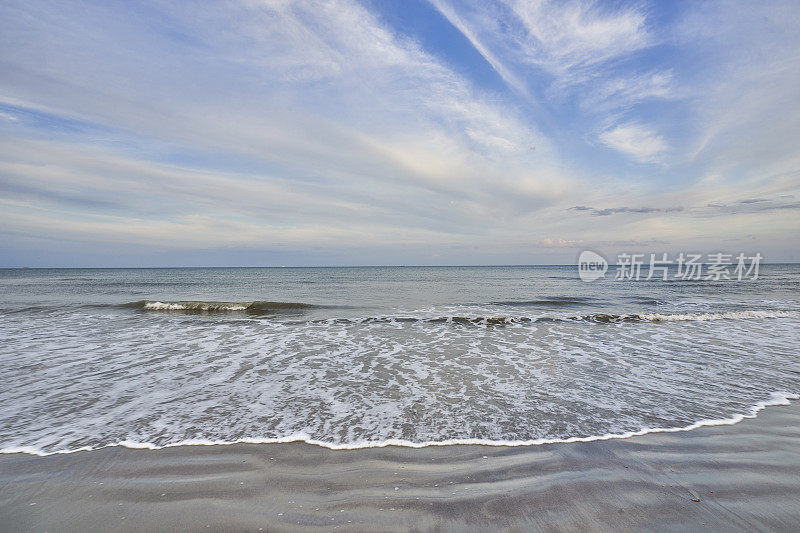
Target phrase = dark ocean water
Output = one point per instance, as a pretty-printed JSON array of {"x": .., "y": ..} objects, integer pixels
[{"x": 350, "y": 357}]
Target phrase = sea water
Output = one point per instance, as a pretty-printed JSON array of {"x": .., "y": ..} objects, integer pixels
[{"x": 370, "y": 356}]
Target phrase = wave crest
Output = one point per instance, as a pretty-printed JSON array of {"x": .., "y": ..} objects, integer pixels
[
  {"x": 599, "y": 318},
  {"x": 273, "y": 308},
  {"x": 732, "y": 315},
  {"x": 258, "y": 307}
]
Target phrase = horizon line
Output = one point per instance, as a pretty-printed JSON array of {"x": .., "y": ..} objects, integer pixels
[{"x": 334, "y": 266}]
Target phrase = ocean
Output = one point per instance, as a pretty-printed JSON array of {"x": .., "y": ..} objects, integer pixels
[{"x": 372, "y": 356}]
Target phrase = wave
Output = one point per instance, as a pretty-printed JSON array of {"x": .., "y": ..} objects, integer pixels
[
  {"x": 29, "y": 309},
  {"x": 776, "y": 398},
  {"x": 256, "y": 308},
  {"x": 600, "y": 318},
  {"x": 553, "y": 301},
  {"x": 732, "y": 315},
  {"x": 644, "y": 300},
  {"x": 273, "y": 308}
]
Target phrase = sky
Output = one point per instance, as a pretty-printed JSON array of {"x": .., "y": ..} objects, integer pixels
[{"x": 396, "y": 132}]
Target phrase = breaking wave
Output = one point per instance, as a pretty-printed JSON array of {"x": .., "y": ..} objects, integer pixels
[
  {"x": 274, "y": 308},
  {"x": 600, "y": 318},
  {"x": 733, "y": 315},
  {"x": 221, "y": 307}
]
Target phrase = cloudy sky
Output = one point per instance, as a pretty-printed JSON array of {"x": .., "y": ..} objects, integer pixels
[{"x": 272, "y": 132}]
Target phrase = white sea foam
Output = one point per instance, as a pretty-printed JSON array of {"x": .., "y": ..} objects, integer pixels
[
  {"x": 776, "y": 398},
  {"x": 193, "y": 306},
  {"x": 732, "y": 315}
]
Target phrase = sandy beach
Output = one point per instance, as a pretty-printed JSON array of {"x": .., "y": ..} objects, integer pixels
[{"x": 740, "y": 477}]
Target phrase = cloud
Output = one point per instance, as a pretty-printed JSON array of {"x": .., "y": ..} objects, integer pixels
[
  {"x": 752, "y": 205},
  {"x": 626, "y": 91},
  {"x": 262, "y": 125},
  {"x": 560, "y": 243},
  {"x": 447, "y": 11},
  {"x": 570, "y": 41},
  {"x": 8, "y": 117},
  {"x": 326, "y": 116},
  {"x": 615, "y": 210},
  {"x": 636, "y": 141},
  {"x": 571, "y": 38},
  {"x": 744, "y": 102},
  {"x": 580, "y": 47}
]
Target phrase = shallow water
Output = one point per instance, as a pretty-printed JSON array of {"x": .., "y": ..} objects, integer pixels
[{"x": 350, "y": 357}]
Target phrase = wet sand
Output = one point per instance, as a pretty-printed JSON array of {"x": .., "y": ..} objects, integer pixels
[{"x": 741, "y": 477}]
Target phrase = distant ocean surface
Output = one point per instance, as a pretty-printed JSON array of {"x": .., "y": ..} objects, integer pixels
[{"x": 355, "y": 357}]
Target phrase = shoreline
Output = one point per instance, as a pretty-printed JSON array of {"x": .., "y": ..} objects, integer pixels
[{"x": 745, "y": 475}]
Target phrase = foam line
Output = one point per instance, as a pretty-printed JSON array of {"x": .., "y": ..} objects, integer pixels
[{"x": 776, "y": 398}]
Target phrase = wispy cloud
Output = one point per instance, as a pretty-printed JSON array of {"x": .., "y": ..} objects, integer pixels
[
  {"x": 752, "y": 206},
  {"x": 502, "y": 70},
  {"x": 639, "y": 142},
  {"x": 570, "y": 41},
  {"x": 627, "y": 91},
  {"x": 560, "y": 243},
  {"x": 571, "y": 38},
  {"x": 615, "y": 210},
  {"x": 747, "y": 206}
]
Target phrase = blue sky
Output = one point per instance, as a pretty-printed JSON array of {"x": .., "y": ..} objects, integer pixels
[{"x": 340, "y": 132}]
